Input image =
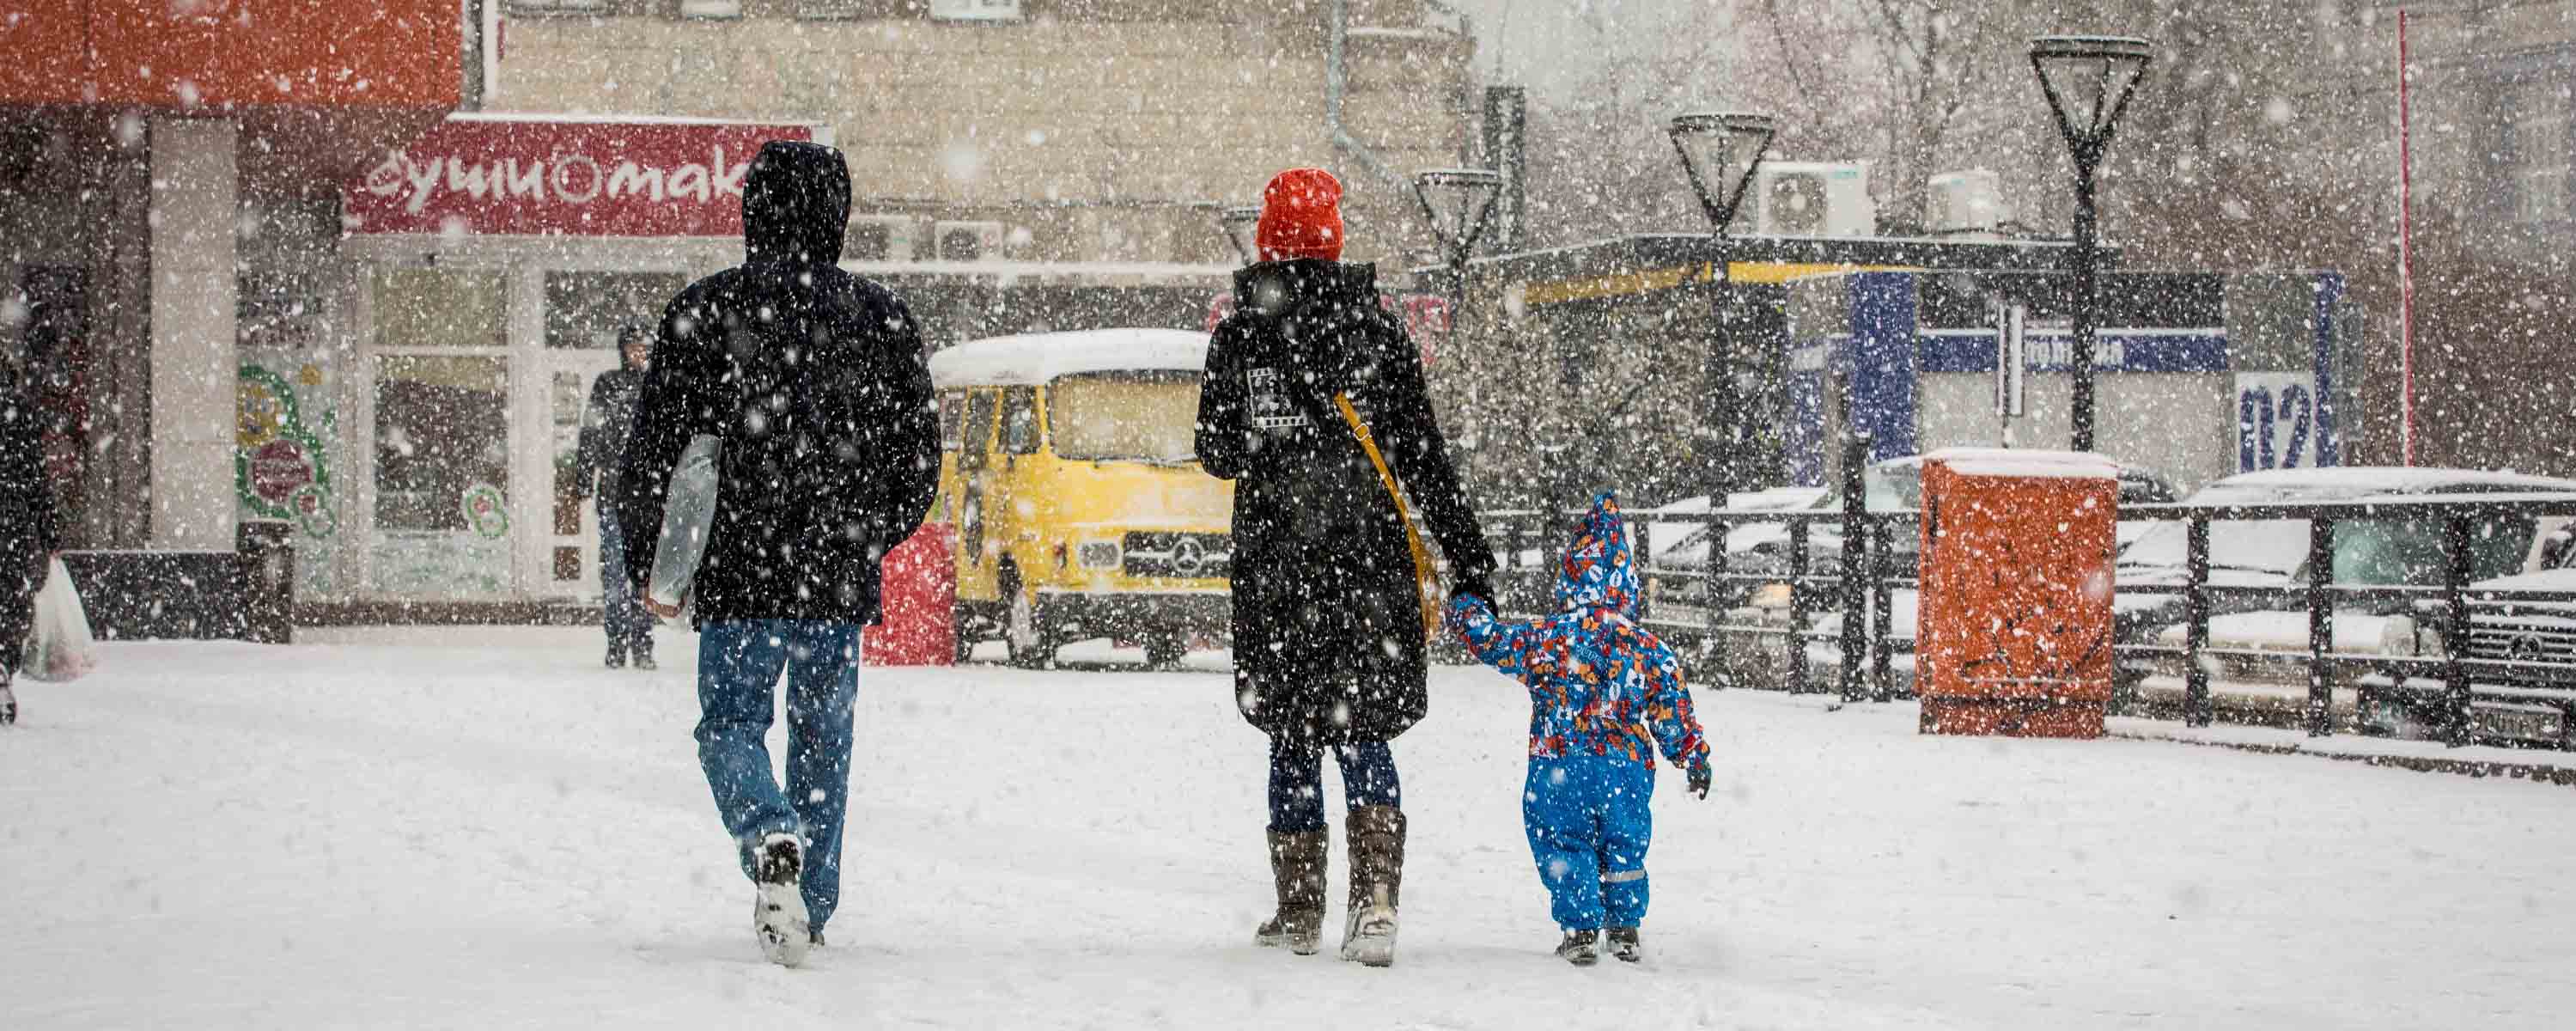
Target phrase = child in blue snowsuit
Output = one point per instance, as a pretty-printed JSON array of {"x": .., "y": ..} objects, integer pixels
[{"x": 1598, "y": 682}]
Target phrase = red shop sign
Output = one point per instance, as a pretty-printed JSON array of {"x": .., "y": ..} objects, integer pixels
[{"x": 481, "y": 175}]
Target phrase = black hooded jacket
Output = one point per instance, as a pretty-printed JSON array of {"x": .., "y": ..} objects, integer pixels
[
  {"x": 1328, "y": 635},
  {"x": 604, "y": 427},
  {"x": 815, "y": 381}
]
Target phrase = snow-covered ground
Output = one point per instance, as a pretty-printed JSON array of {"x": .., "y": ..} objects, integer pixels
[{"x": 478, "y": 828}]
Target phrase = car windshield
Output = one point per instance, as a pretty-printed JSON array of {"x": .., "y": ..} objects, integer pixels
[
  {"x": 1126, "y": 416},
  {"x": 2409, "y": 551}
]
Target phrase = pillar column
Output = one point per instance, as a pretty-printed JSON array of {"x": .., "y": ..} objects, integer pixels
[{"x": 195, "y": 180}]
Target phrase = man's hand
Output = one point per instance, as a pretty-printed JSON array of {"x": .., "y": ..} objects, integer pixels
[
  {"x": 1700, "y": 775},
  {"x": 659, "y": 609}
]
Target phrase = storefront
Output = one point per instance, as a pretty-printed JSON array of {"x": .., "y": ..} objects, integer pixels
[{"x": 430, "y": 456}]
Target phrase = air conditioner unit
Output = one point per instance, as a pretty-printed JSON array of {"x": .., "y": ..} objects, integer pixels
[
  {"x": 1811, "y": 198},
  {"x": 711, "y": 9},
  {"x": 967, "y": 241},
  {"x": 882, "y": 238},
  {"x": 1965, "y": 202},
  {"x": 975, "y": 10}
]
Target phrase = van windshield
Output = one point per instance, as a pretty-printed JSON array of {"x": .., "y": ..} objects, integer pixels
[{"x": 1125, "y": 416}]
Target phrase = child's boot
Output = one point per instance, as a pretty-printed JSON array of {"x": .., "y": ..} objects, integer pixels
[
  {"x": 1377, "y": 877},
  {"x": 1297, "y": 865},
  {"x": 1581, "y": 948},
  {"x": 1624, "y": 946}
]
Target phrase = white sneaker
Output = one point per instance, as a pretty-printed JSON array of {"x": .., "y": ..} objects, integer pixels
[{"x": 778, "y": 915}]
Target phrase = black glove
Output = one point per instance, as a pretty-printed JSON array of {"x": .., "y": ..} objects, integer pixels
[
  {"x": 1700, "y": 775},
  {"x": 1473, "y": 586}
]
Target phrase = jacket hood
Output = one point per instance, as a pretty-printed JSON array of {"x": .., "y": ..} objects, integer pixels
[
  {"x": 795, "y": 204},
  {"x": 1600, "y": 570},
  {"x": 1276, "y": 288}
]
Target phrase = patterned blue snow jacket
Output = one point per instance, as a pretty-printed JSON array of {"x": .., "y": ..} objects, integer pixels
[{"x": 1597, "y": 680}]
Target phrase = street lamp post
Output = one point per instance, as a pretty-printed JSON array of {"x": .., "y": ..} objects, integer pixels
[
  {"x": 1720, "y": 151},
  {"x": 2088, "y": 81},
  {"x": 1456, "y": 201}
]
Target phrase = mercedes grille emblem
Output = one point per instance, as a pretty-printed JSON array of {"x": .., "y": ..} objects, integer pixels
[{"x": 1189, "y": 556}]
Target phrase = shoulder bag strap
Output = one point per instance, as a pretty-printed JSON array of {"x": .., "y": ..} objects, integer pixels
[{"x": 1426, "y": 576}]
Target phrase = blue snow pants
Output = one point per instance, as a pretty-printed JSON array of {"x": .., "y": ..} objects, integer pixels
[
  {"x": 1297, "y": 781},
  {"x": 738, "y": 664},
  {"x": 1589, "y": 824},
  {"x": 621, "y": 608}
]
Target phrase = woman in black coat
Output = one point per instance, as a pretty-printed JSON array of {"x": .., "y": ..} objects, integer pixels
[
  {"x": 1328, "y": 627},
  {"x": 27, "y": 538}
]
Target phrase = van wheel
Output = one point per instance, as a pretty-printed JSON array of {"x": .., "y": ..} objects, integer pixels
[
  {"x": 963, "y": 627},
  {"x": 1164, "y": 648},
  {"x": 1029, "y": 643}
]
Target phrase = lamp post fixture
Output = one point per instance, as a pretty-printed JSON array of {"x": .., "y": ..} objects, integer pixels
[
  {"x": 1456, "y": 201},
  {"x": 2088, "y": 81},
  {"x": 1720, "y": 151},
  {"x": 1239, "y": 220}
]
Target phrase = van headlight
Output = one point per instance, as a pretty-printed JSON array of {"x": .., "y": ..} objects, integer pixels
[{"x": 1100, "y": 555}]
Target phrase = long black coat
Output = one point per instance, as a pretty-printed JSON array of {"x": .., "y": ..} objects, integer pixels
[
  {"x": 816, "y": 383},
  {"x": 27, "y": 521},
  {"x": 1328, "y": 636}
]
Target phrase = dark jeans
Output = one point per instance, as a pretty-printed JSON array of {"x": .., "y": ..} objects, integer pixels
[
  {"x": 622, "y": 609},
  {"x": 1297, "y": 781},
  {"x": 739, "y": 664}
]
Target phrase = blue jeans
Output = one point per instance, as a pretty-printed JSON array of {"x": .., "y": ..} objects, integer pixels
[
  {"x": 738, "y": 663},
  {"x": 1297, "y": 781},
  {"x": 622, "y": 609},
  {"x": 1589, "y": 824}
]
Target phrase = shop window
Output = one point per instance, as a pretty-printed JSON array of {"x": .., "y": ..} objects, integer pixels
[
  {"x": 587, "y": 309},
  {"x": 438, "y": 309},
  {"x": 2539, "y": 160},
  {"x": 569, "y": 399},
  {"x": 1020, "y": 421},
  {"x": 442, "y": 443},
  {"x": 952, "y": 415}
]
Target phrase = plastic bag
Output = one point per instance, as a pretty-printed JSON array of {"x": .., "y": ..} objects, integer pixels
[
  {"x": 61, "y": 647},
  {"x": 687, "y": 511}
]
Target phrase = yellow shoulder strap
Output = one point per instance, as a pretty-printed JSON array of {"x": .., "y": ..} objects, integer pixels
[{"x": 1426, "y": 577}]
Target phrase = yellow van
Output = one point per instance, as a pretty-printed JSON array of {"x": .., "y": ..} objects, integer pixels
[{"x": 1069, "y": 471}]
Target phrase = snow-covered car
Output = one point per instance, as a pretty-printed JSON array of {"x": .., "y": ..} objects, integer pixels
[
  {"x": 2538, "y": 707},
  {"x": 2259, "y": 643}
]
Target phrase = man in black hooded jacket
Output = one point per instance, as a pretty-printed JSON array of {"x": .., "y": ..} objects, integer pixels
[
  {"x": 815, "y": 383},
  {"x": 604, "y": 426}
]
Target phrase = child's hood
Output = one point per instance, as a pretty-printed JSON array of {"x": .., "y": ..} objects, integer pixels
[{"x": 1599, "y": 570}]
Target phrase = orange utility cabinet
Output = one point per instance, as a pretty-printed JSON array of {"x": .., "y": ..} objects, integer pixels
[{"x": 2015, "y": 632}]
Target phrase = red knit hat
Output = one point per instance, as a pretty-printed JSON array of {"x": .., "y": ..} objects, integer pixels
[{"x": 1301, "y": 216}]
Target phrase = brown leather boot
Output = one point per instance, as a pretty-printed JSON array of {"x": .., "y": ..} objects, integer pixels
[
  {"x": 1377, "y": 881},
  {"x": 1297, "y": 863}
]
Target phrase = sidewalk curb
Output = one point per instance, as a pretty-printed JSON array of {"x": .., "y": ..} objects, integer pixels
[{"x": 2537, "y": 773}]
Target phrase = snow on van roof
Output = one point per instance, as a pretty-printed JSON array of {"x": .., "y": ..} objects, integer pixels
[{"x": 1032, "y": 359}]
